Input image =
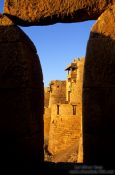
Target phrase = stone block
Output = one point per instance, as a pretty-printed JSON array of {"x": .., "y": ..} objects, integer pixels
[
  {"x": 100, "y": 63},
  {"x": 99, "y": 68},
  {"x": 44, "y": 12},
  {"x": 20, "y": 66}
]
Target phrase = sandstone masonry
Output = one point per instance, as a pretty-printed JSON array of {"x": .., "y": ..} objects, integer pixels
[{"x": 63, "y": 116}]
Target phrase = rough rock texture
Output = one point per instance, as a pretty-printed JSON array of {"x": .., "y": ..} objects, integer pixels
[
  {"x": 67, "y": 155},
  {"x": 64, "y": 137},
  {"x": 21, "y": 99},
  {"x": 5, "y": 21},
  {"x": 57, "y": 92},
  {"x": 80, "y": 150},
  {"x": 99, "y": 92},
  {"x": 46, "y": 96},
  {"x": 47, "y": 119},
  {"x": 43, "y": 12}
]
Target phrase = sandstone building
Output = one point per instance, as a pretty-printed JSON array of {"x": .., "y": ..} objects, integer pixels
[{"x": 63, "y": 115}]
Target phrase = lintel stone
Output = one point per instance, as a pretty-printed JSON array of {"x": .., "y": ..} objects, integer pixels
[{"x": 45, "y": 12}]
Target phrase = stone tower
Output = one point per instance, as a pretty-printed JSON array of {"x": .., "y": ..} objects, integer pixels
[
  {"x": 65, "y": 130},
  {"x": 57, "y": 92}
]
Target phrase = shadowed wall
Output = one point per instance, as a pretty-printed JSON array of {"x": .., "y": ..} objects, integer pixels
[
  {"x": 99, "y": 92},
  {"x": 21, "y": 99}
]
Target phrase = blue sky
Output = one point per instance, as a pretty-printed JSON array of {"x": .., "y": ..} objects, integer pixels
[{"x": 57, "y": 45}]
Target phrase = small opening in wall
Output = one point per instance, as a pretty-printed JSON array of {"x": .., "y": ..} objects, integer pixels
[
  {"x": 57, "y": 45},
  {"x": 57, "y": 109},
  {"x": 69, "y": 93},
  {"x": 74, "y": 109}
]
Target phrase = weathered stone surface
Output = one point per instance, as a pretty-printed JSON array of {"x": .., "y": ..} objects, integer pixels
[
  {"x": 99, "y": 92},
  {"x": 46, "y": 96},
  {"x": 57, "y": 92},
  {"x": 5, "y": 21},
  {"x": 64, "y": 133},
  {"x": 67, "y": 155},
  {"x": 43, "y": 12},
  {"x": 100, "y": 64},
  {"x": 80, "y": 150},
  {"x": 101, "y": 102},
  {"x": 47, "y": 119},
  {"x": 21, "y": 99},
  {"x": 63, "y": 117}
]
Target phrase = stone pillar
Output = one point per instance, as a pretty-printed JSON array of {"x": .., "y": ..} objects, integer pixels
[
  {"x": 99, "y": 93},
  {"x": 21, "y": 100}
]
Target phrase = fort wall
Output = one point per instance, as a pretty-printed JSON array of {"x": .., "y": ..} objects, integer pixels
[
  {"x": 64, "y": 133},
  {"x": 61, "y": 110},
  {"x": 65, "y": 130},
  {"x": 47, "y": 119},
  {"x": 57, "y": 92},
  {"x": 46, "y": 96}
]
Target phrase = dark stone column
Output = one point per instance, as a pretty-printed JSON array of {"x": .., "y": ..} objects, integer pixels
[
  {"x": 99, "y": 93},
  {"x": 21, "y": 100}
]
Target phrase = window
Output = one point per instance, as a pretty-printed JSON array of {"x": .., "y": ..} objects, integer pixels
[
  {"x": 57, "y": 109},
  {"x": 74, "y": 109},
  {"x": 69, "y": 96}
]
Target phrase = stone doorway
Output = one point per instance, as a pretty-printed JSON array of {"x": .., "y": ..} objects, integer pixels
[
  {"x": 31, "y": 30},
  {"x": 98, "y": 88}
]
